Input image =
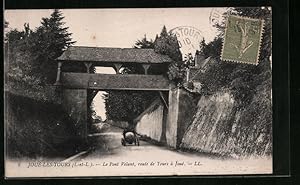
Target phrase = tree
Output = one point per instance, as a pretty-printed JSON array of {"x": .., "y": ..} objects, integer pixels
[
  {"x": 32, "y": 53},
  {"x": 56, "y": 37},
  {"x": 20, "y": 64},
  {"x": 212, "y": 49},
  {"x": 167, "y": 44},
  {"x": 126, "y": 105},
  {"x": 14, "y": 36},
  {"x": 50, "y": 40},
  {"x": 144, "y": 43}
]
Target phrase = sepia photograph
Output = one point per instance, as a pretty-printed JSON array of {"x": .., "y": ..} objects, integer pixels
[{"x": 138, "y": 92}]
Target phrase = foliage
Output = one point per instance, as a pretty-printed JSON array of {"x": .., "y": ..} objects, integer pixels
[
  {"x": 55, "y": 37},
  {"x": 52, "y": 39},
  {"x": 176, "y": 73},
  {"x": 144, "y": 43},
  {"x": 40, "y": 47},
  {"x": 189, "y": 60},
  {"x": 242, "y": 79},
  {"x": 167, "y": 44},
  {"x": 126, "y": 105},
  {"x": 31, "y": 53},
  {"x": 212, "y": 49},
  {"x": 37, "y": 129}
]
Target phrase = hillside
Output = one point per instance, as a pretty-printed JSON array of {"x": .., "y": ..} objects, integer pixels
[
  {"x": 36, "y": 128},
  {"x": 233, "y": 118}
]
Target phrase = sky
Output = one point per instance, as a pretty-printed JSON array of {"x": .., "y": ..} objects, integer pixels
[
  {"x": 118, "y": 27},
  {"x": 121, "y": 27}
]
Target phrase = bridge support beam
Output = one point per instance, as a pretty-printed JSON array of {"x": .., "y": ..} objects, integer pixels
[
  {"x": 117, "y": 68},
  {"x": 146, "y": 67},
  {"x": 75, "y": 104},
  {"x": 88, "y": 66}
]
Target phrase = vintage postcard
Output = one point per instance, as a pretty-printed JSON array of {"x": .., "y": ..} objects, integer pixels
[{"x": 138, "y": 92}]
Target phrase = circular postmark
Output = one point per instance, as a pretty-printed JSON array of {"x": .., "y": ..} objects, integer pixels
[
  {"x": 217, "y": 16},
  {"x": 189, "y": 39}
]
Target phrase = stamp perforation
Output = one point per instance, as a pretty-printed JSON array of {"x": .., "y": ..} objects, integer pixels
[
  {"x": 260, "y": 39},
  {"x": 223, "y": 40}
]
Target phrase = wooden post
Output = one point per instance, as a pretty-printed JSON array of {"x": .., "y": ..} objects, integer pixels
[
  {"x": 164, "y": 100},
  {"x": 88, "y": 66},
  {"x": 117, "y": 68},
  {"x": 57, "y": 82},
  {"x": 146, "y": 67},
  {"x": 187, "y": 74}
]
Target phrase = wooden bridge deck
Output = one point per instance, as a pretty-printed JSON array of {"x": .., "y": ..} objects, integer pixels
[{"x": 114, "y": 81}]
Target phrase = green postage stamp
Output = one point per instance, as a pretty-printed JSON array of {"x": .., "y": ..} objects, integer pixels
[{"x": 242, "y": 39}]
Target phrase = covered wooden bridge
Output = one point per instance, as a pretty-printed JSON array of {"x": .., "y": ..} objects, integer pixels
[
  {"x": 79, "y": 87},
  {"x": 152, "y": 65}
]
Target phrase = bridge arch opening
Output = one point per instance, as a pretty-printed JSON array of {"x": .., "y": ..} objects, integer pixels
[
  {"x": 96, "y": 108},
  {"x": 96, "y": 105},
  {"x": 104, "y": 70}
]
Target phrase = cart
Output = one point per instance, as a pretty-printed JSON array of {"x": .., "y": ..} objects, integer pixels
[{"x": 130, "y": 138}]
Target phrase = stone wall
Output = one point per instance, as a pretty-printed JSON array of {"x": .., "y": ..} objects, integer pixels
[
  {"x": 220, "y": 127},
  {"x": 187, "y": 108},
  {"x": 182, "y": 106},
  {"x": 207, "y": 131},
  {"x": 151, "y": 122},
  {"x": 171, "y": 127}
]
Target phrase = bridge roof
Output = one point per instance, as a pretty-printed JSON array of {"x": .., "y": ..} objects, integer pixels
[{"x": 113, "y": 55}]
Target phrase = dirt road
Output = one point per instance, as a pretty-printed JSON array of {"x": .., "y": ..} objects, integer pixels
[
  {"x": 110, "y": 158},
  {"x": 149, "y": 159}
]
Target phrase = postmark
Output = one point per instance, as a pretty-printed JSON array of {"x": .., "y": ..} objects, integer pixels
[
  {"x": 189, "y": 39},
  {"x": 217, "y": 15},
  {"x": 242, "y": 39}
]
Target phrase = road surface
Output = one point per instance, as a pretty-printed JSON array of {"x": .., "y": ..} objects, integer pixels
[
  {"x": 149, "y": 159},
  {"x": 110, "y": 158}
]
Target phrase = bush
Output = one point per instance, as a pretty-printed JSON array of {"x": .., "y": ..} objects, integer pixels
[{"x": 37, "y": 129}]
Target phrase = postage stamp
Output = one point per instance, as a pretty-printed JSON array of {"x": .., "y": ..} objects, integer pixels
[{"x": 242, "y": 39}]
